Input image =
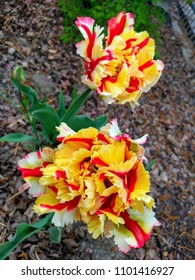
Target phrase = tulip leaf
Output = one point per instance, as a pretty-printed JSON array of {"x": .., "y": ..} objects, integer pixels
[
  {"x": 19, "y": 74},
  {"x": 75, "y": 106},
  {"x": 17, "y": 137},
  {"x": 48, "y": 122},
  {"x": 55, "y": 234},
  {"x": 61, "y": 109},
  {"x": 74, "y": 92},
  {"x": 26, "y": 90},
  {"x": 82, "y": 121},
  {"x": 149, "y": 166},
  {"x": 23, "y": 231},
  {"x": 44, "y": 107}
]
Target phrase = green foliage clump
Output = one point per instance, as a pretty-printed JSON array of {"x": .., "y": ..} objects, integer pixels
[
  {"x": 43, "y": 118},
  {"x": 148, "y": 15}
]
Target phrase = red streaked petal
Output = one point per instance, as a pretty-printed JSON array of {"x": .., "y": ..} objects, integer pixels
[
  {"x": 60, "y": 174},
  {"x": 116, "y": 26},
  {"x": 94, "y": 63},
  {"x": 39, "y": 154},
  {"x": 142, "y": 44},
  {"x": 109, "y": 79},
  {"x": 119, "y": 173},
  {"x": 98, "y": 161},
  {"x": 54, "y": 189},
  {"x": 27, "y": 172},
  {"x": 131, "y": 180},
  {"x": 73, "y": 203},
  {"x": 57, "y": 207},
  {"x": 134, "y": 85},
  {"x": 73, "y": 187},
  {"x": 85, "y": 21},
  {"x": 60, "y": 139},
  {"x": 105, "y": 210},
  {"x": 84, "y": 140},
  {"x": 91, "y": 45},
  {"x": 102, "y": 176},
  {"x": 102, "y": 137},
  {"x": 133, "y": 226},
  {"x": 69, "y": 205},
  {"x": 86, "y": 24},
  {"x": 146, "y": 65},
  {"x": 128, "y": 43},
  {"x": 109, "y": 204},
  {"x": 45, "y": 163}
]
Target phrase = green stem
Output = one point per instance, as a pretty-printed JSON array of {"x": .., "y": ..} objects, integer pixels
[
  {"x": 30, "y": 119},
  {"x": 34, "y": 131},
  {"x": 75, "y": 105},
  {"x": 26, "y": 114}
]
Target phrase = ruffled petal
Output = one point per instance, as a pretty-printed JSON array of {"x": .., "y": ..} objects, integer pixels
[
  {"x": 31, "y": 168},
  {"x": 136, "y": 230}
]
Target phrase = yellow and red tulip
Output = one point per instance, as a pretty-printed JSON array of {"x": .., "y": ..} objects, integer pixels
[
  {"x": 97, "y": 177},
  {"x": 123, "y": 66}
]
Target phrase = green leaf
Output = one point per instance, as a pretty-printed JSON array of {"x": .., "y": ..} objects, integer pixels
[
  {"x": 23, "y": 231},
  {"x": 19, "y": 74},
  {"x": 74, "y": 92},
  {"x": 55, "y": 234},
  {"x": 46, "y": 109},
  {"x": 17, "y": 137},
  {"x": 61, "y": 109},
  {"x": 25, "y": 102},
  {"x": 48, "y": 123},
  {"x": 26, "y": 90},
  {"x": 83, "y": 121},
  {"x": 149, "y": 166},
  {"x": 75, "y": 106}
]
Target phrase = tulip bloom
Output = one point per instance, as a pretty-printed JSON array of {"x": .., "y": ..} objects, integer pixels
[
  {"x": 122, "y": 68},
  {"x": 97, "y": 177}
]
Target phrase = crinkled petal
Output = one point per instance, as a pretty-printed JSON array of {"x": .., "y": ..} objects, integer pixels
[
  {"x": 64, "y": 131},
  {"x": 31, "y": 169},
  {"x": 136, "y": 230},
  {"x": 117, "y": 25}
]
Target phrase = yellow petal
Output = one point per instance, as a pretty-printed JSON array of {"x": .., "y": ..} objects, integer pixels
[{"x": 113, "y": 218}]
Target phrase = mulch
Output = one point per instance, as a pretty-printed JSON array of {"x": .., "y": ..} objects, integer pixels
[{"x": 29, "y": 37}]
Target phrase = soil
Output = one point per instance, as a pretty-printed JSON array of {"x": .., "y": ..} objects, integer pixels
[{"x": 29, "y": 37}]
